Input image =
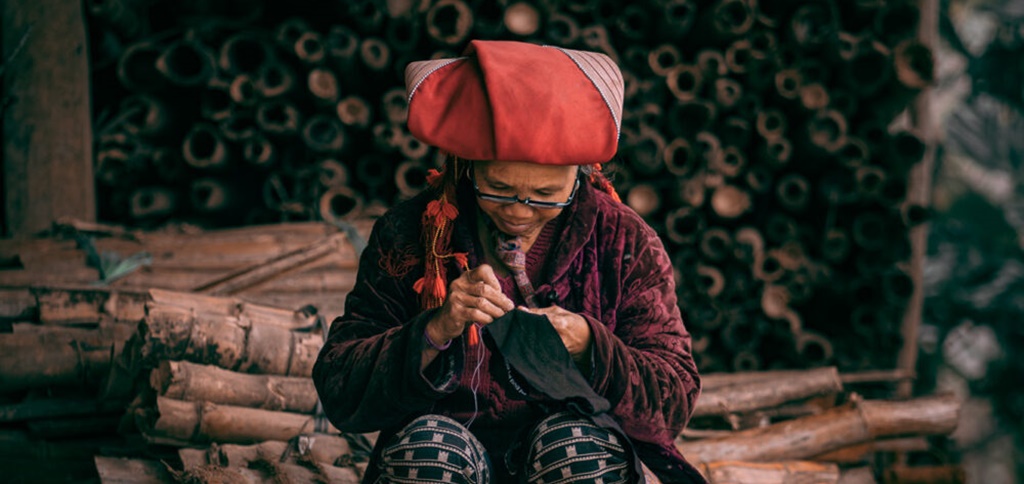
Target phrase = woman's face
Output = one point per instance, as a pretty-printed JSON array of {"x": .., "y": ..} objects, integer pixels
[{"x": 523, "y": 180}]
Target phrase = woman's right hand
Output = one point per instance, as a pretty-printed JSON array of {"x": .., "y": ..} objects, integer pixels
[{"x": 475, "y": 297}]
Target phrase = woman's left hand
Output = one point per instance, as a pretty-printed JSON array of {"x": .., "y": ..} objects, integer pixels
[{"x": 571, "y": 327}]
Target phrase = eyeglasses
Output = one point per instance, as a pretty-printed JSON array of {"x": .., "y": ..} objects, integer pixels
[{"x": 525, "y": 201}]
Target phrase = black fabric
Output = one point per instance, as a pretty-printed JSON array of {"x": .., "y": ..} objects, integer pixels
[{"x": 542, "y": 371}]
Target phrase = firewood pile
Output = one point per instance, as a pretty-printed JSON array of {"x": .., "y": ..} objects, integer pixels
[
  {"x": 206, "y": 390},
  {"x": 755, "y": 139}
]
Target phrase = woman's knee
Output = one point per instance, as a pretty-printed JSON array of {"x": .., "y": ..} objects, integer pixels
[
  {"x": 568, "y": 446},
  {"x": 435, "y": 448}
]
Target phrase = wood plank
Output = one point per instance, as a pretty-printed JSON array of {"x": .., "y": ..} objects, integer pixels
[{"x": 47, "y": 120}]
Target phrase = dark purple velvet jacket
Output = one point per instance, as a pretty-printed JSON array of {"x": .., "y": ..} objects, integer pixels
[{"x": 606, "y": 264}]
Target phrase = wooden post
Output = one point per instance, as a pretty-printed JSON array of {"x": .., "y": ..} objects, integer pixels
[
  {"x": 919, "y": 193},
  {"x": 47, "y": 131}
]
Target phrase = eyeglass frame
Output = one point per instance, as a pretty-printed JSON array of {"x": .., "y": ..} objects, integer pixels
[{"x": 540, "y": 204}]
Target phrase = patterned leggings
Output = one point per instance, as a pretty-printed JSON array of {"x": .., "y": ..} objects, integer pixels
[{"x": 562, "y": 448}]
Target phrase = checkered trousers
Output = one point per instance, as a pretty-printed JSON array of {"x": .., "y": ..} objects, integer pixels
[
  {"x": 434, "y": 448},
  {"x": 565, "y": 447}
]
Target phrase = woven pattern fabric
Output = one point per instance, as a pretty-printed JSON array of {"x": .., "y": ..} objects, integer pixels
[
  {"x": 434, "y": 448},
  {"x": 568, "y": 448},
  {"x": 510, "y": 251}
]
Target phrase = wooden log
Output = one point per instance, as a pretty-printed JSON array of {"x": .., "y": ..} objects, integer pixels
[
  {"x": 324, "y": 134},
  {"x": 808, "y": 436},
  {"x": 53, "y": 408},
  {"x": 120, "y": 470},
  {"x": 560, "y": 29},
  {"x": 827, "y": 130},
  {"x": 231, "y": 306},
  {"x": 309, "y": 47},
  {"x": 204, "y": 148},
  {"x": 46, "y": 69},
  {"x": 64, "y": 357},
  {"x": 212, "y": 195},
  {"x": 354, "y": 111},
  {"x": 710, "y": 281},
  {"x": 74, "y": 305},
  {"x": 814, "y": 348},
  {"x": 728, "y": 92},
  {"x": 152, "y": 202},
  {"x": 522, "y": 19},
  {"x": 243, "y": 90},
  {"x": 136, "y": 67},
  {"x": 771, "y": 124},
  {"x": 684, "y": 81},
  {"x": 278, "y": 117},
  {"x": 323, "y": 85},
  {"x": 793, "y": 192},
  {"x": 340, "y": 203},
  {"x": 861, "y": 453},
  {"x": 376, "y": 57},
  {"x": 174, "y": 422},
  {"x": 679, "y": 157},
  {"x": 644, "y": 199},
  {"x": 788, "y": 83},
  {"x": 412, "y": 148},
  {"x": 735, "y": 472},
  {"x": 328, "y": 305},
  {"x": 276, "y": 79},
  {"x": 730, "y": 163},
  {"x": 182, "y": 380},
  {"x": 259, "y": 152},
  {"x": 646, "y": 148},
  {"x": 332, "y": 173},
  {"x": 766, "y": 392},
  {"x": 270, "y": 473},
  {"x": 322, "y": 448},
  {"x": 17, "y": 304},
  {"x": 18, "y": 444},
  {"x": 940, "y": 474},
  {"x": 857, "y": 475},
  {"x": 243, "y": 53},
  {"x": 187, "y": 62},
  {"x": 410, "y": 178},
  {"x": 730, "y": 202},
  {"x": 684, "y": 225},
  {"x": 689, "y": 118},
  {"x": 231, "y": 343}
]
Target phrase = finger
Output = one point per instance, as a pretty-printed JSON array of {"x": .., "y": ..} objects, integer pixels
[
  {"x": 489, "y": 307},
  {"x": 486, "y": 274},
  {"x": 469, "y": 302},
  {"x": 496, "y": 297}
]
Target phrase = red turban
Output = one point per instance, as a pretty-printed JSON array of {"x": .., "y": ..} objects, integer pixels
[{"x": 514, "y": 101}]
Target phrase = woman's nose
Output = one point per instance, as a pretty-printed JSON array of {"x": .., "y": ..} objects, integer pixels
[{"x": 518, "y": 210}]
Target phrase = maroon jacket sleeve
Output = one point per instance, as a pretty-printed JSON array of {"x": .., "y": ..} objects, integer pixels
[
  {"x": 643, "y": 363},
  {"x": 368, "y": 372}
]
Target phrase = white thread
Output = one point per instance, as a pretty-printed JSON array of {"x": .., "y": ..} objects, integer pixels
[{"x": 474, "y": 382}]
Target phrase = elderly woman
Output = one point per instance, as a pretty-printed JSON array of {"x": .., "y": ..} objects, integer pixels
[{"x": 515, "y": 322}]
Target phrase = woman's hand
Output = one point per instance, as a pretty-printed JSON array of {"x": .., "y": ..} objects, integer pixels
[
  {"x": 571, "y": 327},
  {"x": 475, "y": 297}
]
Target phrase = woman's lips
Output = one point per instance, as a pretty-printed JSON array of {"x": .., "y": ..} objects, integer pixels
[{"x": 512, "y": 228}]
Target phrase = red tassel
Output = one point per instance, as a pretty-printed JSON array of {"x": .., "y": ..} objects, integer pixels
[
  {"x": 434, "y": 177},
  {"x": 474, "y": 335}
]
